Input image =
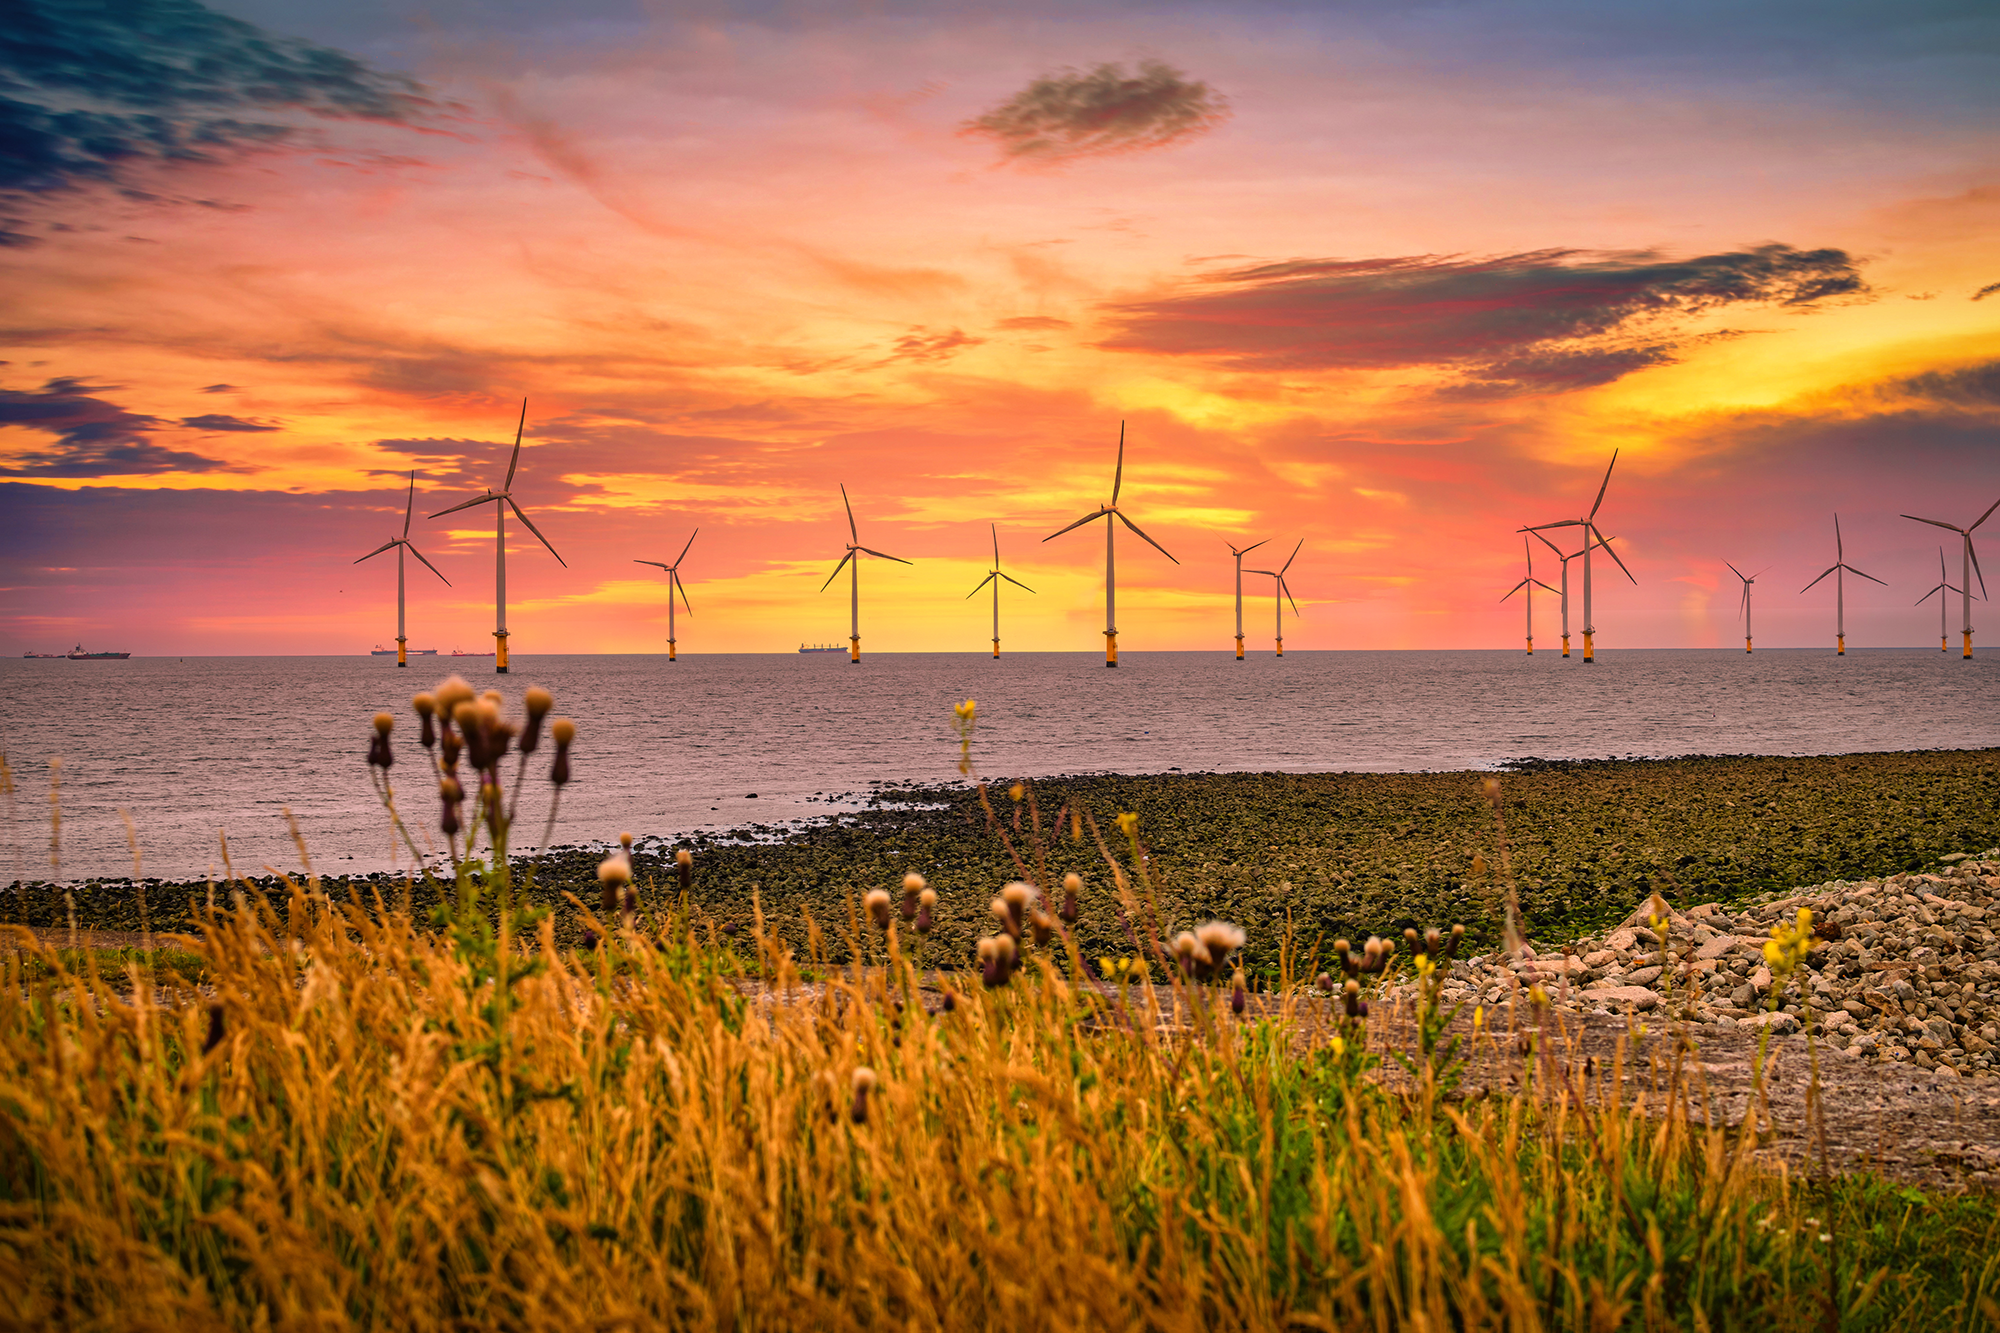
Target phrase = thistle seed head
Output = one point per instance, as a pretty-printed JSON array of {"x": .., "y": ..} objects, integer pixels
[
  {"x": 927, "y": 898},
  {"x": 1073, "y": 882},
  {"x": 384, "y": 724},
  {"x": 864, "y": 1083},
  {"x": 913, "y": 883},
  {"x": 538, "y": 702},
  {"x": 451, "y": 693},
  {"x": 425, "y": 703},
  {"x": 1043, "y": 925},
  {"x": 1239, "y": 997},
  {"x": 625, "y": 841},
  {"x": 684, "y": 857},
  {"x": 876, "y": 902},
  {"x": 614, "y": 869},
  {"x": 1324, "y": 982},
  {"x": 564, "y": 731},
  {"x": 1017, "y": 895}
]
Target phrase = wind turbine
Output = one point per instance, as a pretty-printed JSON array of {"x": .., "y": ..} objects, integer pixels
[
  {"x": 1841, "y": 568},
  {"x": 1748, "y": 579},
  {"x": 1108, "y": 512},
  {"x": 673, "y": 582},
  {"x": 1944, "y": 586},
  {"x": 401, "y": 544},
  {"x": 855, "y": 550},
  {"x": 1564, "y": 559},
  {"x": 1528, "y": 586},
  {"x": 1280, "y": 593},
  {"x": 1239, "y": 589},
  {"x": 502, "y": 500},
  {"x": 1969, "y": 566},
  {"x": 1589, "y": 525},
  {"x": 993, "y": 576}
]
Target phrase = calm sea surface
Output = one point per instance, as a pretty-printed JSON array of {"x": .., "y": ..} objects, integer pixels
[{"x": 196, "y": 746}]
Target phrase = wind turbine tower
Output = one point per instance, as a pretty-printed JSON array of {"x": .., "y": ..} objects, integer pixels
[
  {"x": 993, "y": 576},
  {"x": 402, "y": 544},
  {"x": 1748, "y": 579},
  {"x": 1969, "y": 565},
  {"x": 1944, "y": 603},
  {"x": 855, "y": 550},
  {"x": 1107, "y": 512},
  {"x": 1840, "y": 568},
  {"x": 1591, "y": 537},
  {"x": 1239, "y": 589},
  {"x": 502, "y": 500},
  {"x": 1527, "y": 587},
  {"x": 673, "y": 583},
  {"x": 1281, "y": 593}
]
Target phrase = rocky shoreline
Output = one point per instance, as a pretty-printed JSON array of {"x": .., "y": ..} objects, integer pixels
[{"x": 1903, "y": 969}]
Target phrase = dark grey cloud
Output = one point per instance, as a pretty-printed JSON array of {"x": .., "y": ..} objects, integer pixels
[
  {"x": 91, "y": 87},
  {"x": 222, "y": 421},
  {"x": 1543, "y": 321},
  {"x": 920, "y": 345},
  {"x": 94, "y": 437},
  {"x": 1986, "y": 291},
  {"x": 218, "y": 388},
  {"x": 1976, "y": 387},
  {"x": 1099, "y": 112}
]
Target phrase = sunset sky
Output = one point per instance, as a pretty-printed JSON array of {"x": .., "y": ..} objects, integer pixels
[{"x": 1391, "y": 278}]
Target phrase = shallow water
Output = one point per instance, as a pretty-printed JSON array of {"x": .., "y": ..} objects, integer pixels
[{"x": 195, "y": 746}]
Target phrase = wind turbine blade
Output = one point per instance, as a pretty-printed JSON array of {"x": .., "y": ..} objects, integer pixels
[
  {"x": 1839, "y": 551},
  {"x": 836, "y": 570},
  {"x": 982, "y": 583},
  {"x": 1543, "y": 540},
  {"x": 1933, "y": 592},
  {"x": 1143, "y": 537},
  {"x": 1870, "y": 577},
  {"x": 996, "y": 544},
  {"x": 1566, "y": 523},
  {"x": 516, "y": 462},
  {"x": 1607, "y": 482},
  {"x": 882, "y": 555},
  {"x": 853, "y": 533},
  {"x": 654, "y": 563},
  {"x": 410, "y": 505},
  {"x": 674, "y": 578},
  {"x": 1248, "y": 549},
  {"x": 1948, "y": 527},
  {"x": 1743, "y": 607},
  {"x": 1973, "y": 551},
  {"x": 1543, "y": 586},
  {"x": 684, "y": 550},
  {"x": 1737, "y": 572},
  {"x": 1118, "y": 477},
  {"x": 1301, "y": 546},
  {"x": 476, "y": 500},
  {"x": 1016, "y": 582},
  {"x": 1605, "y": 542},
  {"x": 427, "y": 564},
  {"x": 1516, "y": 588},
  {"x": 385, "y": 546},
  {"x": 1285, "y": 588},
  {"x": 1808, "y": 587},
  {"x": 1087, "y": 518},
  {"x": 1988, "y": 514},
  {"x": 537, "y": 531}
]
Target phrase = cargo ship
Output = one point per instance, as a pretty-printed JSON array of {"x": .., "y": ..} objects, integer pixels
[
  {"x": 77, "y": 654},
  {"x": 57, "y": 657},
  {"x": 456, "y": 653},
  {"x": 822, "y": 647},
  {"x": 414, "y": 652}
]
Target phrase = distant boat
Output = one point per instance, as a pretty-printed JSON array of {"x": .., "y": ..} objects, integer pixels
[
  {"x": 77, "y": 654},
  {"x": 414, "y": 652},
  {"x": 822, "y": 647},
  {"x": 456, "y": 653},
  {"x": 53, "y": 656}
]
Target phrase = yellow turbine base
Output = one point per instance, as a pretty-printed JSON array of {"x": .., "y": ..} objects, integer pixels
[
  {"x": 670, "y": 651},
  {"x": 1840, "y": 645},
  {"x": 1968, "y": 645},
  {"x": 1589, "y": 650},
  {"x": 853, "y": 649},
  {"x": 1281, "y": 647},
  {"x": 1239, "y": 647},
  {"x": 1565, "y": 645},
  {"x": 1110, "y": 649},
  {"x": 1746, "y": 643},
  {"x": 402, "y": 652},
  {"x": 996, "y": 647},
  {"x": 1531, "y": 647},
  {"x": 500, "y": 652}
]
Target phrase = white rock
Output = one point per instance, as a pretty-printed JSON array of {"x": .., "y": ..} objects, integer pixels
[
  {"x": 1619, "y": 996},
  {"x": 1781, "y": 1023}
]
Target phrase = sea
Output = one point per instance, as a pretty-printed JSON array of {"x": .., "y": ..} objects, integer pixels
[{"x": 197, "y": 750}]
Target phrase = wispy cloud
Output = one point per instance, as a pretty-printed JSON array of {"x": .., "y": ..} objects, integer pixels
[
  {"x": 1548, "y": 319},
  {"x": 89, "y": 90},
  {"x": 1100, "y": 112},
  {"x": 223, "y": 421},
  {"x": 94, "y": 436}
]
